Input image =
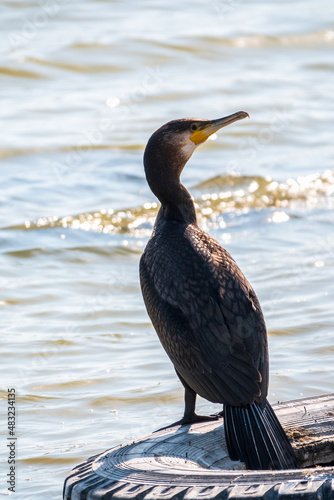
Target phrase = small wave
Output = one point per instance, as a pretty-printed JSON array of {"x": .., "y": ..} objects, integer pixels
[
  {"x": 214, "y": 197},
  {"x": 311, "y": 39},
  {"x": 76, "y": 67},
  {"x": 20, "y": 73},
  {"x": 89, "y": 45},
  {"x": 7, "y": 153}
]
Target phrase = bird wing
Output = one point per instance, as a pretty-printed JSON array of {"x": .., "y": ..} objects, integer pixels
[{"x": 206, "y": 315}]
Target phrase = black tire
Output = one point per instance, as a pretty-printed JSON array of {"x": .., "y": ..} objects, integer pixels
[{"x": 192, "y": 463}]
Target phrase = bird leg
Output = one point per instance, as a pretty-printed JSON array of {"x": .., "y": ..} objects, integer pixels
[{"x": 190, "y": 417}]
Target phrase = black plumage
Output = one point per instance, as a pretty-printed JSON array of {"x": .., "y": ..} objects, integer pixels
[{"x": 205, "y": 312}]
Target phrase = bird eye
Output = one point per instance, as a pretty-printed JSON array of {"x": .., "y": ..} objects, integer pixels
[{"x": 193, "y": 127}]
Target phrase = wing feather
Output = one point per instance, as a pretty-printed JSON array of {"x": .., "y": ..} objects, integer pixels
[{"x": 206, "y": 315}]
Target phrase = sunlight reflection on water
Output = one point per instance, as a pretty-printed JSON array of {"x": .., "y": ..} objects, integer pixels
[{"x": 83, "y": 89}]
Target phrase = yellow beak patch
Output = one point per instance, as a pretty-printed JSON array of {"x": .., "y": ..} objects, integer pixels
[{"x": 210, "y": 127}]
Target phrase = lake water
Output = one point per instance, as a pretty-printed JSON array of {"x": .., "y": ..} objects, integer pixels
[{"x": 83, "y": 85}]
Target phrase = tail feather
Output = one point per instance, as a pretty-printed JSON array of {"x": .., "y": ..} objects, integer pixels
[{"x": 255, "y": 436}]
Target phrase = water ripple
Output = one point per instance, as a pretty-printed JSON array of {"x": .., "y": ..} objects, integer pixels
[{"x": 219, "y": 195}]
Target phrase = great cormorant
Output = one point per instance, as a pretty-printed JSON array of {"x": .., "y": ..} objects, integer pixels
[{"x": 205, "y": 312}]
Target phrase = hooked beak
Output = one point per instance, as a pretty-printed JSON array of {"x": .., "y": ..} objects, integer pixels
[{"x": 205, "y": 130}]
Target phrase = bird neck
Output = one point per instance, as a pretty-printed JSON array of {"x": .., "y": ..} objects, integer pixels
[
  {"x": 177, "y": 204},
  {"x": 163, "y": 167}
]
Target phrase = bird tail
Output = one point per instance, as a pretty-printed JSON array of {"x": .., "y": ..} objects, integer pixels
[{"x": 255, "y": 436}]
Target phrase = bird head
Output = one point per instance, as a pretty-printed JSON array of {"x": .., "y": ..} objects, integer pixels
[
  {"x": 171, "y": 146},
  {"x": 168, "y": 150}
]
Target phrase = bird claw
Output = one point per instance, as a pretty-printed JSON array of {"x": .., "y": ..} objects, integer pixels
[
  {"x": 207, "y": 418},
  {"x": 219, "y": 414},
  {"x": 194, "y": 419}
]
